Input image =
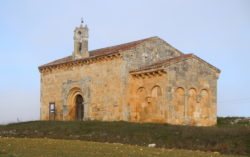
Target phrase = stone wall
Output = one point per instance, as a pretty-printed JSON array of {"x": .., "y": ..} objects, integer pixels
[
  {"x": 192, "y": 93},
  {"x": 184, "y": 94},
  {"x": 99, "y": 83},
  {"x": 148, "y": 101},
  {"x": 149, "y": 52}
]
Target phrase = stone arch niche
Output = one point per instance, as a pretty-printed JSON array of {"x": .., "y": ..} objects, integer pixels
[
  {"x": 157, "y": 104},
  {"x": 204, "y": 103},
  {"x": 75, "y": 104},
  {"x": 141, "y": 91},
  {"x": 192, "y": 103},
  {"x": 141, "y": 104},
  {"x": 156, "y": 91},
  {"x": 179, "y": 105}
]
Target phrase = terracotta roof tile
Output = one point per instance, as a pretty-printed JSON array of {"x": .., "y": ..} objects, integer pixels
[
  {"x": 171, "y": 61},
  {"x": 99, "y": 52},
  {"x": 116, "y": 48}
]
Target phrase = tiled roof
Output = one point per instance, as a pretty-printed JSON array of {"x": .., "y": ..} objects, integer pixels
[
  {"x": 169, "y": 61},
  {"x": 99, "y": 52}
]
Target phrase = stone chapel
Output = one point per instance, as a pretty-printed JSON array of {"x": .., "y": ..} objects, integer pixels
[{"x": 146, "y": 80}]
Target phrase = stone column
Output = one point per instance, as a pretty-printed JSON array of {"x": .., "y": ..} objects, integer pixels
[{"x": 186, "y": 107}]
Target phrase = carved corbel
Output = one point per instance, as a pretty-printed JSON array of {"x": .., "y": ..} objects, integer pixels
[{"x": 147, "y": 75}]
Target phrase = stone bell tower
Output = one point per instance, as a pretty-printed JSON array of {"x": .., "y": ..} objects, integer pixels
[{"x": 81, "y": 35}]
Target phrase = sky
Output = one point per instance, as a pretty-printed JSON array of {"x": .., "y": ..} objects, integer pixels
[{"x": 33, "y": 33}]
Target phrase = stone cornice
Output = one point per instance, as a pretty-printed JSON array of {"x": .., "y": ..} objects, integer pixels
[
  {"x": 148, "y": 73},
  {"x": 78, "y": 62}
]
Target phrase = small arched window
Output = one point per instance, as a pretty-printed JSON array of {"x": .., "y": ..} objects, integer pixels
[
  {"x": 156, "y": 91},
  {"x": 179, "y": 103},
  {"x": 204, "y": 97},
  {"x": 141, "y": 91}
]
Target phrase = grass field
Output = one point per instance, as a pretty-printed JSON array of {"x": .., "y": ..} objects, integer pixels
[
  {"x": 230, "y": 136},
  {"x": 23, "y": 147}
]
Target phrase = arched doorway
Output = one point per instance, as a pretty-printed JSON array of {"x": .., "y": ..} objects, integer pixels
[
  {"x": 79, "y": 102},
  {"x": 75, "y": 105}
]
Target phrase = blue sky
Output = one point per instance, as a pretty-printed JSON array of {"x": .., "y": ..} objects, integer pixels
[{"x": 36, "y": 32}]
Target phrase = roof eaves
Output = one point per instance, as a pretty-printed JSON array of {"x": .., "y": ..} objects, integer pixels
[
  {"x": 210, "y": 65},
  {"x": 163, "y": 63},
  {"x": 76, "y": 60},
  {"x": 98, "y": 53},
  {"x": 174, "y": 60}
]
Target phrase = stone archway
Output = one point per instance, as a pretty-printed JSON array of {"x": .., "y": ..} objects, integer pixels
[{"x": 75, "y": 104}]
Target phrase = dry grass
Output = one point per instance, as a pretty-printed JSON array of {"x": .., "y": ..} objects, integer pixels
[
  {"x": 24, "y": 147},
  {"x": 231, "y": 136}
]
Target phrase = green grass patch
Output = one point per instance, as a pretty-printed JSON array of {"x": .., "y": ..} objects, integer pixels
[{"x": 225, "y": 138}]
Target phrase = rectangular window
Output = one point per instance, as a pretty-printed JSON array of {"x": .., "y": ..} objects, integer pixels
[
  {"x": 52, "y": 107},
  {"x": 52, "y": 111}
]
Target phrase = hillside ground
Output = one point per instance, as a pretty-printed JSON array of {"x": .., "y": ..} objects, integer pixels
[
  {"x": 230, "y": 136},
  {"x": 24, "y": 147}
]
